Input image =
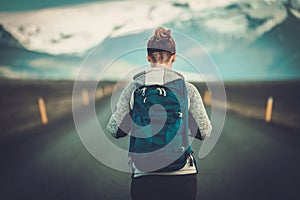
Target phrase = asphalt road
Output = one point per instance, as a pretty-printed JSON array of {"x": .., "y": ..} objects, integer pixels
[{"x": 252, "y": 160}]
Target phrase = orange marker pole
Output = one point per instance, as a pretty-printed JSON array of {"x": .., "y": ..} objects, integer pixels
[
  {"x": 43, "y": 111},
  {"x": 99, "y": 93},
  {"x": 269, "y": 109},
  {"x": 207, "y": 98},
  {"x": 85, "y": 97},
  {"x": 107, "y": 90}
]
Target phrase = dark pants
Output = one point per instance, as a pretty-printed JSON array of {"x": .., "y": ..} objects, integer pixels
[{"x": 164, "y": 187}]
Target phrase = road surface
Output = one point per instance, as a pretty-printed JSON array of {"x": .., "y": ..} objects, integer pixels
[{"x": 252, "y": 160}]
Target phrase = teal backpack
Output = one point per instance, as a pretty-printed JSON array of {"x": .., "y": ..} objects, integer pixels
[{"x": 159, "y": 135}]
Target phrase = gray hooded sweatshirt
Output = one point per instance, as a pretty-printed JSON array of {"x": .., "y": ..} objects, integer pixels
[{"x": 199, "y": 123}]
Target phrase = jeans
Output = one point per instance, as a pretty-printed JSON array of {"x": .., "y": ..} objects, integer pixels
[{"x": 156, "y": 187}]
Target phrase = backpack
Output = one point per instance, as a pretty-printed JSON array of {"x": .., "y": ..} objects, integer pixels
[{"x": 159, "y": 135}]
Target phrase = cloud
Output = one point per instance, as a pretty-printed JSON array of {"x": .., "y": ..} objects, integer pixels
[
  {"x": 50, "y": 63},
  {"x": 9, "y": 72},
  {"x": 235, "y": 25}
]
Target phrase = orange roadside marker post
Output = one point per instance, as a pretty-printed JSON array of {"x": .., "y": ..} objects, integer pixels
[
  {"x": 43, "y": 111},
  {"x": 99, "y": 93},
  {"x": 207, "y": 98},
  {"x": 85, "y": 97},
  {"x": 269, "y": 109}
]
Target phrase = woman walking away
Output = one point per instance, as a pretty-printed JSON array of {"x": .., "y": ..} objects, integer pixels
[{"x": 163, "y": 166}]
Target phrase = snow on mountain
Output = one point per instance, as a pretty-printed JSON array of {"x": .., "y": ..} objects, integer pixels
[
  {"x": 76, "y": 29},
  {"x": 224, "y": 26}
]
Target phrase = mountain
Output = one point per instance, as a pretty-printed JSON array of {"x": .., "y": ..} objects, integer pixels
[
  {"x": 6, "y": 39},
  {"x": 77, "y": 29},
  {"x": 248, "y": 40}
]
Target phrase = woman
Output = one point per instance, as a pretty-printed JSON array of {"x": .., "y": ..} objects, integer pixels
[{"x": 182, "y": 183}]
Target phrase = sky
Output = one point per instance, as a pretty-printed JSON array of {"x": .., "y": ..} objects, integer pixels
[{"x": 21, "y": 5}]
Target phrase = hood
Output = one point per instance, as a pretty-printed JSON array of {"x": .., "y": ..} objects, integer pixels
[{"x": 158, "y": 76}]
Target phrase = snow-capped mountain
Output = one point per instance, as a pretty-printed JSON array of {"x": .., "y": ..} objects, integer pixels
[
  {"x": 76, "y": 29},
  {"x": 247, "y": 39}
]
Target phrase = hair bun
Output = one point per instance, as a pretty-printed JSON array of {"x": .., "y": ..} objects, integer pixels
[
  {"x": 161, "y": 33},
  {"x": 161, "y": 41}
]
